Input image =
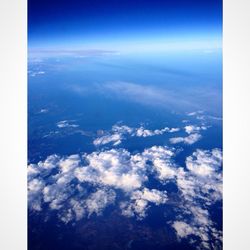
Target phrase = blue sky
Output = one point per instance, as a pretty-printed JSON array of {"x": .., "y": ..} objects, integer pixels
[{"x": 111, "y": 24}]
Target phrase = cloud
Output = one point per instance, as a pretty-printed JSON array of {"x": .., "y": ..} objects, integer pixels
[
  {"x": 35, "y": 187},
  {"x": 140, "y": 202},
  {"x": 153, "y": 195},
  {"x": 200, "y": 189},
  {"x": 99, "y": 200},
  {"x": 152, "y": 96},
  {"x": 39, "y": 54},
  {"x": 118, "y": 133},
  {"x": 115, "y": 138},
  {"x": 182, "y": 229},
  {"x": 203, "y": 162},
  {"x": 123, "y": 129},
  {"x": 43, "y": 111},
  {"x": 193, "y": 135},
  {"x": 200, "y": 226},
  {"x": 116, "y": 168},
  {"x": 193, "y": 129},
  {"x": 142, "y": 132},
  {"x": 79, "y": 186},
  {"x": 199, "y": 112},
  {"x": 66, "y": 124},
  {"x": 201, "y": 115},
  {"x": 191, "y": 139},
  {"x": 55, "y": 179},
  {"x": 36, "y": 73},
  {"x": 162, "y": 162}
]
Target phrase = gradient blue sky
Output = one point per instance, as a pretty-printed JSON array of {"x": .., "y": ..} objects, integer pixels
[{"x": 99, "y": 24}]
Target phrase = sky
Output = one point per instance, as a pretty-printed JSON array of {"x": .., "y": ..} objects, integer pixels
[{"x": 98, "y": 24}]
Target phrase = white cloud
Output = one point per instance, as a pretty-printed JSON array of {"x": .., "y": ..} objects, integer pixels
[
  {"x": 199, "y": 112},
  {"x": 200, "y": 226},
  {"x": 44, "y": 111},
  {"x": 193, "y": 134},
  {"x": 164, "y": 168},
  {"x": 203, "y": 162},
  {"x": 198, "y": 193},
  {"x": 123, "y": 129},
  {"x": 191, "y": 139},
  {"x": 55, "y": 195},
  {"x": 113, "y": 168},
  {"x": 161, "y": 158},
  {"x": 152, "y": 96},
  {"x": 49, "y": 163},
  {"x": 182, "y": 229},
  {"x": 79, "y": 186},
  {"x": 78, "y": 208},
  {"x": 35, "y": 187},
  {"x": 172, "y": 130},
  {"x": 116, "y": 169},
  {"x": 99, "y": 200},
  {"x": 66, "y": 124},
  {"x": 118, "y": 133},
  {"x": 140, "y": 201},
  {"x": 115, "y": 138},
  {"x": 193, "y": 129},
  {"x": 153, "y": 195},
  {"x": 36, "y": 73},
  {"x": 142, "y": 132}
]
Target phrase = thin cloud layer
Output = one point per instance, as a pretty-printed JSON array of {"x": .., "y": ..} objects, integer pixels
[{"x": 152, "y": 96}]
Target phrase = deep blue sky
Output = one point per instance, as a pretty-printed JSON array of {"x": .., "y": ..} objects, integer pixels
[{"x": 79, "y": 23}]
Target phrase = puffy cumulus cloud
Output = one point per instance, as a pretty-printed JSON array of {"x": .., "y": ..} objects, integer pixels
[
  {"x": 193, "y": 132},
  {"x": 115, "y": 168},
  {"x": 153, "y": 195},
  {"x": 204, "y": 162},
  {"x": 118, "y": 133},
  {"x": 162, "y": 162},
  {"x": 95, "y": 203},
  {"x": 200, "y": 187},
  {"x": 139, "y": 202},
  {"x": 62, "y": 182},
  {"x": 115, "y": 138},
  {"x": 123, "y": 129},
  {"x": 191, "y": 139},
  {"x": 79, "y": 186},
  {"x": 35, "y": 188},
  {"x": 193, "y": 129},
  {"x": 182, "y": 229},
  {"x": 53, "y": 190},
  {"x": 200, "y": 226},
  {"x": 99, "y": 200},
  {"x": 45, "y": 166},
  {"x": 66, "y": 124},
  {"x": 142, "y": 132}
]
